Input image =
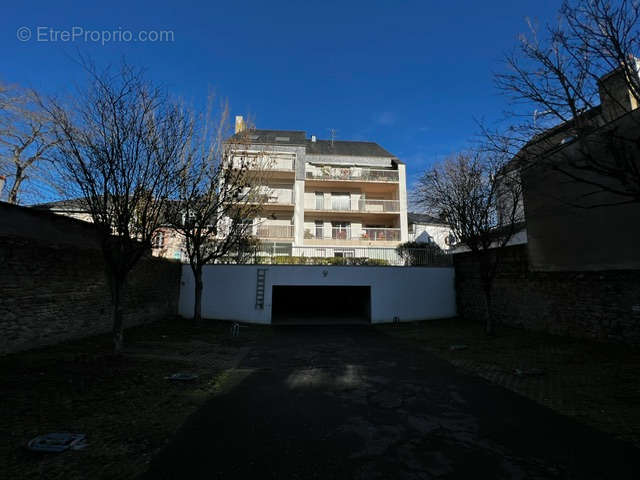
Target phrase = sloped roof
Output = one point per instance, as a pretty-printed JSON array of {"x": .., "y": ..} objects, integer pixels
[
  {"x": 277, "y": 137},
  {"x": 69, "y": 205},
  {"x": 319, "y": 147},
  {"x": 423, "y": 218},
  {"x": 347, "y": 148}
]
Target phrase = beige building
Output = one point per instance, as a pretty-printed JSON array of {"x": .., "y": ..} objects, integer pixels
[{"x": 325, "y": 198}]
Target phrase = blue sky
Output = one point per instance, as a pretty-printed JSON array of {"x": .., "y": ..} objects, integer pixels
[{"x": 411, "y": 76}]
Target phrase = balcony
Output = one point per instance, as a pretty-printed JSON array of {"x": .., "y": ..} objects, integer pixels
[
  {"x": 379, "y": 206},
  {"x": 346, "y": 235},
  {"x": 333, "y": 233},
  {"x": 362, "y": 206},
  {"x": 266, "y": 231},
  {"x": 267, "y": 165},
  {"x": 352, "y": 174},
  {"x": 275, "y": 199},
  {"x": 381, "y": 234}
]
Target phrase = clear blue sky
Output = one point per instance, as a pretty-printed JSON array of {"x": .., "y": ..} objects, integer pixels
[{"x": 409, "y": 75}]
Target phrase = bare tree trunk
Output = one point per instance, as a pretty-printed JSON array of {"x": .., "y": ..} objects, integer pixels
[
  {"x": 489, "y": 326},
  {"x": 116, "y": 301},
  {"x": 486, "y": 278},
  {"x": 197, "y": 306},
  {"x": 13, "y": 193}
]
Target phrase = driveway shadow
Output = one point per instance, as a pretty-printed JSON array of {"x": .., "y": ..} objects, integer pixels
[{"x": 351, "y": 402}]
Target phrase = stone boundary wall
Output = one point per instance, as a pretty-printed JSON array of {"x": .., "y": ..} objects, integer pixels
[
  {"x": 604, "y": 305},
  {"x": 53, "y": 287}
]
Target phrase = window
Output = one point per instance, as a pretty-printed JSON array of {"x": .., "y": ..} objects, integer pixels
[
  {"x": 158, "y": 240},
  {"x": 319, "y": 229},
  {"x": 341, "y": 230},
  {"x": 340, "y": 201},
  {"x": 319, "y": 201},
  {"x": 344, "y": 253}
]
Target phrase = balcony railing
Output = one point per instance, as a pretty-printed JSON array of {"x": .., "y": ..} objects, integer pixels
[
  {"x": 367, "y": 235},
  {"x": 363, "y": 205},
  {"x": 273, "y": 231},
  {"x": 277, "y": 197},
  {"x": 267, "y": 164},
  {"x": 381, "y": 234},
  {"x": 374, "y": 206},
  {"x": 333, "y": 233},
  {"x": 352, "y": 174}
]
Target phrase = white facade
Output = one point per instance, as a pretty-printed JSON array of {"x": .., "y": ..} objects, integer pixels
[
  {"x": 430, "y": 233},
  {"x": 339, "y": 200},
  {"x": 402, "y": 293}
]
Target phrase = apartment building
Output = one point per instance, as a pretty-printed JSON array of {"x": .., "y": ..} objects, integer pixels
[{"x": 324, "y": 198}]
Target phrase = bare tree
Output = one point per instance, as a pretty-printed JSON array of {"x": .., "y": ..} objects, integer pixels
[
  {"x": 26, "y": 138},
  {"x": 481, "y": 200},
  {"x": 219, "y": 193},
  {"x": 558, "y": 75},
  {"x": 118, "y": 146}
]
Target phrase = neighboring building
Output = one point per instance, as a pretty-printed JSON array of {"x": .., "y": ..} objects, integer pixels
[
  {"x": 74, "y": 208},
  {"x": 325, "y": 198},
  {"x": 166, "y": 243},
  {"x": 424, "y": 228},
  {"x": 565, "y": 230}
]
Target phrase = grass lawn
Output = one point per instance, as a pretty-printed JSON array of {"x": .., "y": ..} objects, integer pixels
[
  {"x": 596, "y": 383},
  {"x": 125, "y": 406}
]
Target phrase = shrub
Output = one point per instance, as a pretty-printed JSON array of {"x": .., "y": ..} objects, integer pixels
[{"x": 416, "y": 253}]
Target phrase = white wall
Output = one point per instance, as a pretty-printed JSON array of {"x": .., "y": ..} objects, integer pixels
[
  {"x": 402, "y": 178},
  {"x": 409, "y": 293},
  {"x": 429, "y": 232}
]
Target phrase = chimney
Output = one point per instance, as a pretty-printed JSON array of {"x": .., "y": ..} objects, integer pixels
[
  {"x": 313, "y": 138},
  {"x": 240, "y": 125},
  {"x": 616, "y": 96}
]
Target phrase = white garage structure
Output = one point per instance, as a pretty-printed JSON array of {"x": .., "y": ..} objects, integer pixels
[{"x": 308, "y": 294}]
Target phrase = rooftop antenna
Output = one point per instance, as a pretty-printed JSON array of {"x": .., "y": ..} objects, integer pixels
[{"x": 332, "y": 132}]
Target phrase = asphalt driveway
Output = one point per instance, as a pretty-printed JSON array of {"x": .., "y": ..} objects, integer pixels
[{"x": 351, "y": 402}]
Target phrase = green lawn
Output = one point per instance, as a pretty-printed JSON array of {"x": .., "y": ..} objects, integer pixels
[
  {"x": 128, "y": 410},
  {"x": 125, "y": 406},
  {"x": 596, "y": 383}
]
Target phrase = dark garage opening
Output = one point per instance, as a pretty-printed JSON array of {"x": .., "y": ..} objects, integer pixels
[{"x": 320, "y": 304}]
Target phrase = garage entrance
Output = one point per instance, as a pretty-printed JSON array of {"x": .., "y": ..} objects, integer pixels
[{"x": 320, "y": 304}]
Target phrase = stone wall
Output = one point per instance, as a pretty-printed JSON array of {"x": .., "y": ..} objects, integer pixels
[
  {"x": 54, "y": 289},
  {"x": 604, "y": 305}
]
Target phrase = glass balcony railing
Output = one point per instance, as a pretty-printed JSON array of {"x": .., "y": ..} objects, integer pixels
[
  {"x": 347, "y": 233},
  {"x": 273, "y": 231},
  {"x": 266, "y": 164},
  {"x": 276, "y": 197},
  {"x": 364, "y": 205},
  {"x": 352, "y": 174},
  {"x": 381, "y": 234}
]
